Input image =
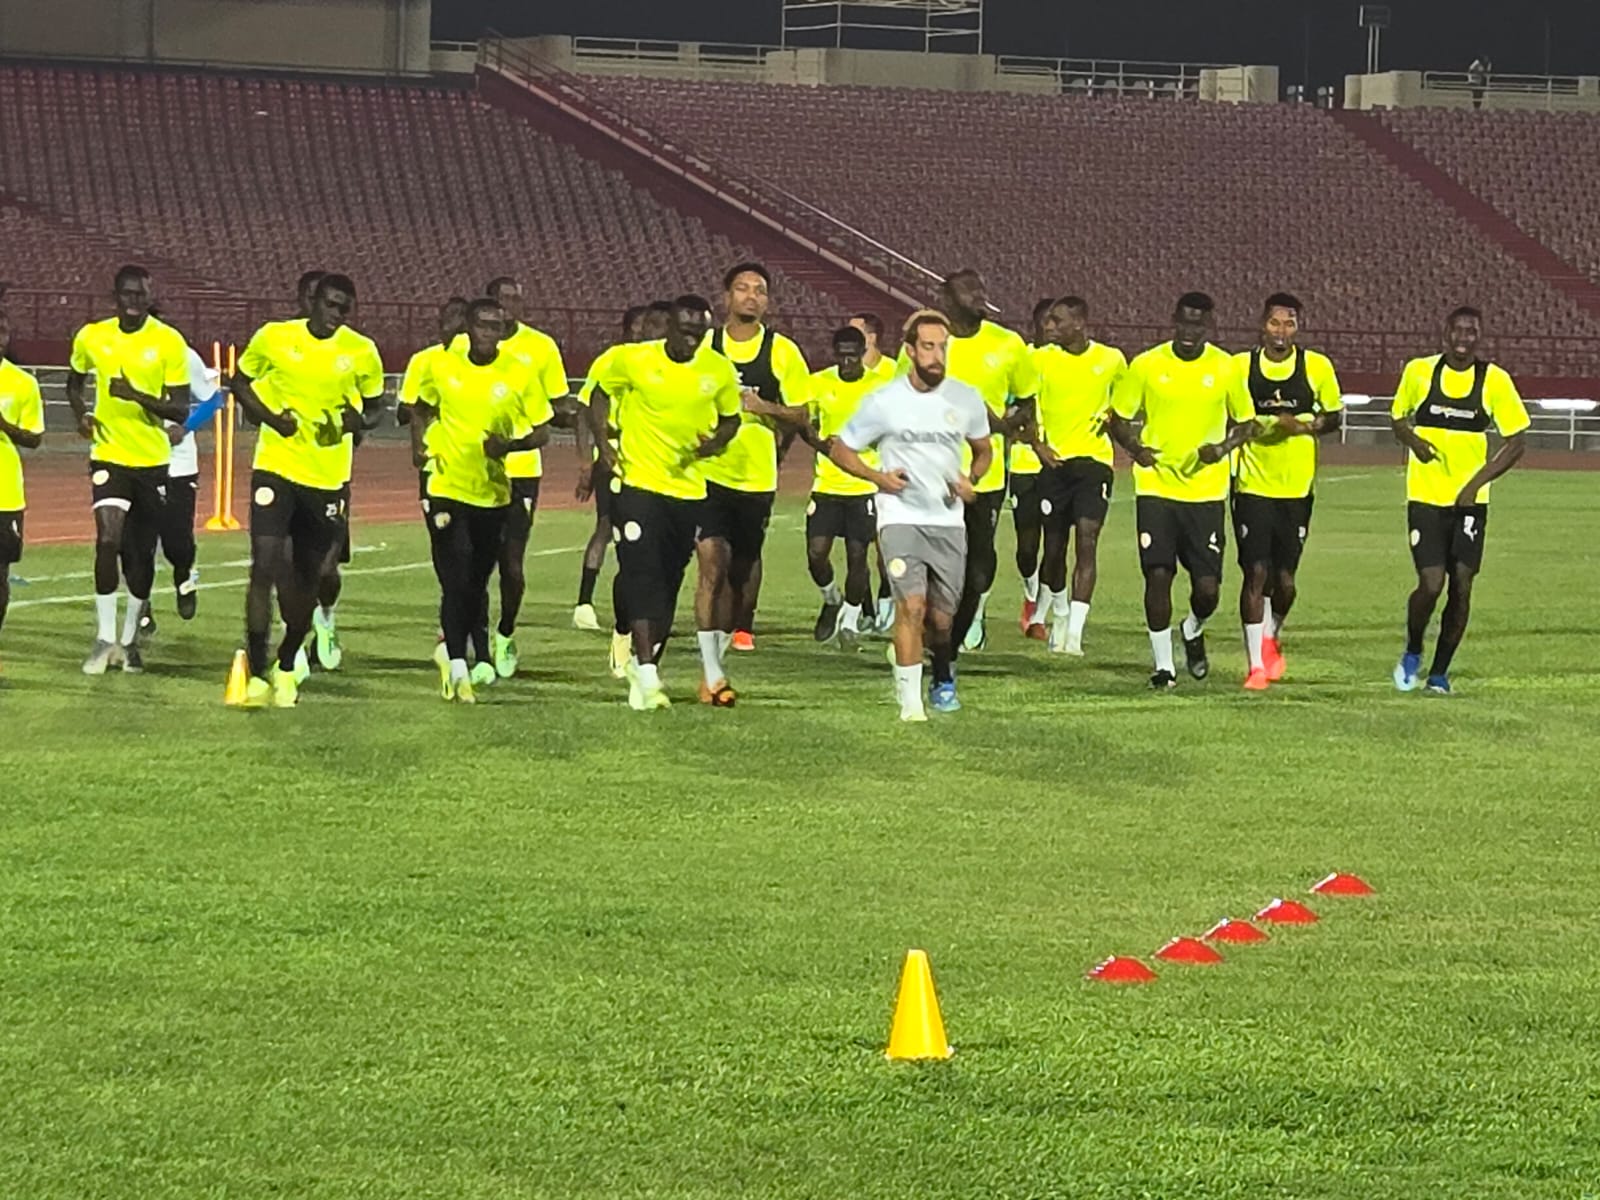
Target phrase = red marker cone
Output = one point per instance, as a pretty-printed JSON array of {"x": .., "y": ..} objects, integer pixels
[
  {"x": 1188, "y": 950},
  {"x": 1340, "y": 884},
  {"x": 1236, "y": 932},
  {"x": 1121, "y": 970},
  {"x": 1287, "y": 912}
]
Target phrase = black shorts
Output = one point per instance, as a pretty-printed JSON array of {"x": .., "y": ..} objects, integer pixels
[
  {"x": 422, "y": 486},
  {"x": 135, "y": 490},
  {"x": 314, "y": 518},
  {"x": 1446, "y": 537},
  {"x": 738, "y": 518},
  {"x": 1271, "y": 531},
  {"x": 1025, "y": 495},
  {"x": 1186, "y": 532},
  {"x": 603, "y": 486},
  {"x": 524, "y": 503},
  {"x": 344, "y": 544},
  {"x": 485, "y": 526},
  {"x": 11, "y": 537},
  {"x": 854, "y": 518},
  {"x": 654, "y": 536},
  {"x": 1075, "y": 489}
]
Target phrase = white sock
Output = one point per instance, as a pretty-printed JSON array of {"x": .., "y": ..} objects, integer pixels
[
  {"x": 711, "y": 656},
  {"x": 724, "y": 640},
  {"x": 458, "y": 670},
  {"x": 983, "y": 604},
  {"x": 1252, "y": 644},
  {"x": 325, "y": 616},
  {"x": 1161, "y": 650},
  {"x": 1078, "y": 617},
  {"x": 105, "y": 617},
  {"x": 1193, "y": 626},
  {"x": 649, "y": 679},
  {"x": 130, "y": 619},
  {"x": 908, "y": 686},
  {"x": 1030, "y": 586},
  {"x": 850, "y": 618},
  {"x": 1266, "y": 617},
  {"x": 830, "y": 594}
]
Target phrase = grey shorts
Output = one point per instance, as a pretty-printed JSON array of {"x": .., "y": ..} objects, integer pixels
[{"x": 925, "y": 560}]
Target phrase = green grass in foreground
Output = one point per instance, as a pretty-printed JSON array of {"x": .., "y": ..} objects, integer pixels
[{"x": 384, "y": 947}]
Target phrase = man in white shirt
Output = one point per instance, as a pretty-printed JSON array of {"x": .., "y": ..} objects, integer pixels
[{"x": 922, "y": 425}]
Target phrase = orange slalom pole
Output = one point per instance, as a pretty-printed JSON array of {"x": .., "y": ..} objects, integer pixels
[
  {"x": 228, "y": 519},
  {"x": 215, "y": 520}
]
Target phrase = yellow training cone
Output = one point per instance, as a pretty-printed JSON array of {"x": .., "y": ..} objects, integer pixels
[
  {"x": 918, "y": 1030},
  {"x": 238, "y": 680}
]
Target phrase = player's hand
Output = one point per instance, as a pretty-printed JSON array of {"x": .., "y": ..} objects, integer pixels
[
  {"x": 1289, "y": 426},
  {"x": 1047, "y": 456},
  {"x": 176, "y": 434},
  {"x": 123, "y": 390},
  {"x": 1211, "y": 452},
  {"x": 961, "y": 488},
  {"x": 585, "y": 487},
  {"x": 329, "y": 432},
  {"x": 1467, "y": 496},
  {"x": 1144, "y": 456},
  {"x": 894, "y": 482},
  {"x": 750, "y": 400},
  {"x": 282, "y": 423},
  {"x": 495, "y": 446},
  {"x": 88, "y": 427},
  {"x": 1424, "y": 451}
]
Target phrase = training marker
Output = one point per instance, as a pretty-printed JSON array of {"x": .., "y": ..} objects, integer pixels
[
  {"x": 1237, "y": 932},
  {"x": 1118, "y": 969},
  {"x": 1287, "y": 912},
  {"x": 918, "y": 1029},
  {"x": 238, "y": 680},
  {"x": 1340, "y": 884},
  {"x": 1188, "y": 950}
]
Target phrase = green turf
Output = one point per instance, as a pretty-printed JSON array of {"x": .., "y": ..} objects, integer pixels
[{"x": 384, "y": 947}]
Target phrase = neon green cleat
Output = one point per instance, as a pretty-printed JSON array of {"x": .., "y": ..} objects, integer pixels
[
  {"x": 285, "y": 692},
  {"x": 465, "y": 694},
  {"x": 504, "y": 651},
  {"x": 302, "y": 666},
  {"x": 482, "y": 675},
  {"x": 621, "y": 651},
  {"x": 584, "y": 618},
  {"x": 257, "y": 693},
  {"x": 329, "y": 653},
  {"x": 441, "y": 659}
]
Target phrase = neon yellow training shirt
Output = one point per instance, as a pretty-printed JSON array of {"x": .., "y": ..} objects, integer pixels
[
  {"x": 1461, "y": 451},
  {"x": 154, "y": 358},
  {"x": 473, "y": 401},
  {"x": 833, "y": 402},
  {"x": 1186, "y": 405},
  {"x": 1075, "y": 398},
  {"x": 541, "y": 357},
  {"x": 750, "y": 463},
  {"x": 1278, "y": 465},
  {"x": 20, "y": 405}
]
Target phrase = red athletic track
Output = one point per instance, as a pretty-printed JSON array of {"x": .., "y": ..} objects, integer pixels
[{"x": 385, "y": 485}]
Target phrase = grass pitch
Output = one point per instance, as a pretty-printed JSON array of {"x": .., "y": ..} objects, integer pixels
[{"x": 384, "y": 947}]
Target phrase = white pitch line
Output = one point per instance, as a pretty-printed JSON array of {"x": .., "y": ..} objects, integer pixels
[
  {"x": 392, "y": 569},
  {"x": 70, "y": 576}
]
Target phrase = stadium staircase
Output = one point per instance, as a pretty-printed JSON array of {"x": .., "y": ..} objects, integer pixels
[
  {"x": 1477, "y": 212},
  {"x": 789, "y": 233}
]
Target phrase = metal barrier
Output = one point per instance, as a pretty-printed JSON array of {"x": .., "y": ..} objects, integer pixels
[{"x": 1113, "y": 77}]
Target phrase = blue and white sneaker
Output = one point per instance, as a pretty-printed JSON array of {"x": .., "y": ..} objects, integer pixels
[
  {"x": 1405, "y": 672},
  {"x": 942, "y": 698},
  {"x": 1439, "y": 685}
]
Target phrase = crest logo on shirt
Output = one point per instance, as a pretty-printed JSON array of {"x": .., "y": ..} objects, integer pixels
[
  {"x": 151, "y": 355},
  {"x": 1099, "y": 370},
  {"x": 991, "y": 361},
  {"x": 499, "y": 391},
  {"x": 952, "y": 418},
  {"x": 343, "y": 363},
  {"x": 1208, "y": 381},
  {"x": 707, "y": 385},
  {"x": 1165, "y": 379}
]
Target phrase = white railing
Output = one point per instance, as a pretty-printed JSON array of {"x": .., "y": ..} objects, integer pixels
[
  {"x": 1556, "y": 423},
  {"x": 1497, "y": 84},
  {"x": 665, "y": 59},
  {"x": 1113, "y": 77}
]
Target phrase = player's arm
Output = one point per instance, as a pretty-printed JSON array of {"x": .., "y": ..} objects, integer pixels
[
  {"x": 77, "y": 375},
  {"x": 540, "y": 414},
  {"x": 1406, "y": 397},
  {"x": 1242, "y": 423},
  {"x": 1510, "y": 453},
  {"x": 1511, "y": 419},
  {"x": 848, "y": 459},
  {"x": 423, "y": 415},
  {"x": 727, "y": 426},
  {"x": 1127, "y": 400},
  {"x": 728, "y": 401},
  {"x": 255, "y": 409},
  {"x": 790, "y": 410},
  {"x": 28, "y": 437},
  {"x": 1023, "y": 413},
  {"x": 965, "y": 486}
]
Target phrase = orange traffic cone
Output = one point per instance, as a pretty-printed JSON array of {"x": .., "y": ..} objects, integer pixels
[
  {"x": 918, "y": 1029},
  {"x": 238, "y": 680}
]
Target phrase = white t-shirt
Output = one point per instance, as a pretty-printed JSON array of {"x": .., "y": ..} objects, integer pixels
[
  {"x": 202, "y": 386},
  {"x": 923, "y": 434}
]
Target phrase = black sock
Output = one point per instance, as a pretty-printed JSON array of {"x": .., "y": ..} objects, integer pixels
[
  {"x": 256, "y": 649},
  {"x": 586, "y": 583},
  {"x": 943, "y": 670},
  {"x": 1442, "y": 654},
  {"x": 480, "y": 643}
]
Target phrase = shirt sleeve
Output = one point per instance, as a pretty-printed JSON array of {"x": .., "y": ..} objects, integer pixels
[
  {"x": 536, "y": 408},
  {"x": 1024, "y": 374},
  {"x": 176, "y": 361},
  {"x": 977, "y": 419},
  {"x": 1505, "y": 406},
  {"x": 1127, "y": 397},
  {"x": 794, "y": 376},
  {"x": 1240, "y": 406},
  {"x": 610, "y": 372},
  {"x": 427, "y": 387},
  {"x": 1408, "y": 395},
  {"x": 1330, "y": 396},
  {"x": 369, "y": 373},
  {"x": 412, "y": 379},
  {"x": 729, "y": 398},
  {"x": 866, "y": 427},
  {"x": 553, "y": 372},
  {"x": 256, "y": 361},
  {"x": 80, "y": 360},
  {"x": 30, "y": 412}
]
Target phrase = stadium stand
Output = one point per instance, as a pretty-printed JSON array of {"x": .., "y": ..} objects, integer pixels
[
  {"x": 1538, "y": 168},
  {"x": 416, "y": 191},
  {"x": 1128, "y": 201}
]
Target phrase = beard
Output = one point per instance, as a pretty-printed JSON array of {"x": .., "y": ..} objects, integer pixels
[{"x": 931, "y": 377}]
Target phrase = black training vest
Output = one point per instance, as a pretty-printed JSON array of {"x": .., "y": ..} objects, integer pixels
[
  {"x": 757, "y": 374},
  {"x": 1282, "y": 397},
  {"x": 1447, "y": 412}
]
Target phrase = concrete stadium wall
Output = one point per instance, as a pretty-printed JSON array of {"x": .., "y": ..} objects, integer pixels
[{"x": 379, "y": 36}]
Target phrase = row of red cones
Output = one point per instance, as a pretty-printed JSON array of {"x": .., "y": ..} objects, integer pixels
[{"x": 1201, "y": 951}]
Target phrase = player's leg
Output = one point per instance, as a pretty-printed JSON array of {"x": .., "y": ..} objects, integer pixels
[
  {"x": 594, "y": 553},
  {"x": 1200, "y": 548},
  {"x": 860, "y": 526},
  {"x": 1056, "y": 521},
  {"x": 944, "y": 554},
  {"x": 11, "y": 525},
  {"x": 824, "y": 523},
  {"x": 657, "y": 543},
  {"x": 1431, "y": 528},
  {"x": 1289, "y": 535},
  {"x": 713, "y": 599},
  {"x": 1027, "y": 524},
  {"x": 330, "y": 654},
  {"x": 271, "y": 556},
  {"x": 982, "y": 518},
  {"x": 1158, "y": 560},
  {"x": 178, "y": 544},
  {"x": 883, "y": 619},
  {"x": 450, "y": 541},
  {"x": 112, "y": 497},
  {"x": 1252, "y": 530},
  {"x": 745, "y": 565},
  {"x": 1466, "y": 557},
  {"x": 908, "y": 575},
  {"x": 141, "y": 533},
  {"x": 513, "y": 573}
]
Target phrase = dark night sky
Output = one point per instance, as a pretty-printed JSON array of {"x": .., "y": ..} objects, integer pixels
[{"x": 1533, "y": 36}]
